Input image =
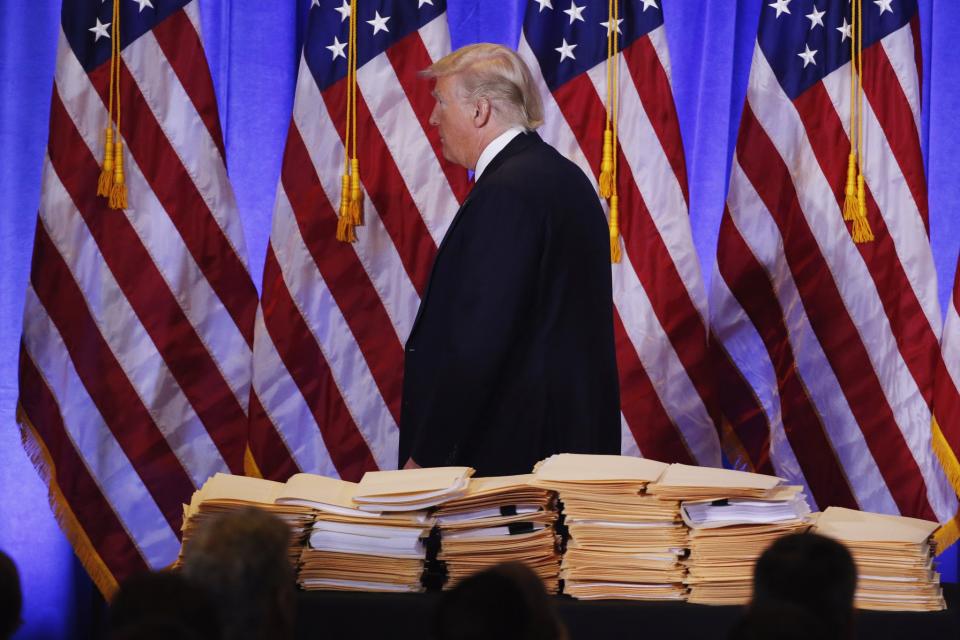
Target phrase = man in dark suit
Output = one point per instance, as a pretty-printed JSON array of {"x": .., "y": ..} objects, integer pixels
[{"x": 511, "y": 357}]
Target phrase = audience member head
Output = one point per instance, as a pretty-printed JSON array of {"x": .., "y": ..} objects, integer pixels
[
  {"x": 11, "y": 598},
  {"x": 507, "y": 602},
  {"x": 810, "y": 571},
  {"x": 155, "y": 604},
  {"x": 240, "y": 558}
]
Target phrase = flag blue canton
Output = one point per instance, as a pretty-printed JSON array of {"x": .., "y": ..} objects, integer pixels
[
  {"x": 88, "y": 26},
  {"x": 379, "y": 26},
  {"x": 554, "y": 26},
  {"x": 805, "y": 40}
]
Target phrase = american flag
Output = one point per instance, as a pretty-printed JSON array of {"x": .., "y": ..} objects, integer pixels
[
  {"x": 839, "y": 340},
  {"x": 138, "y": 323},
  {"x": 334, "y": 316},
  {"x": 669, "y": 410}
]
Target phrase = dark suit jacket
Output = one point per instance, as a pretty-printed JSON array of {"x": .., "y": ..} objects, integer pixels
[{"x": 511, "y": 356}]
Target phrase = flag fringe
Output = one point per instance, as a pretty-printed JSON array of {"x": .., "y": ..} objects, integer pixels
[
  {"x": 949, "y": 532},
  {"x": 946, "y": 455},
  {"x": 733, "y": 448},
  {"x": 250, "y": 467},
  {"x": 96, "y": 568}
]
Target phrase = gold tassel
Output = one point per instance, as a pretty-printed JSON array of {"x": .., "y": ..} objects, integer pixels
[
  {"x": 606, "y": 165},
  {"x": 851, "y": 205},
  {"x": 118, "y": 192},
  {"x": 345, "y": 232},
  {"x": 106, "y": 172},
  {"x": 861, "y": 226},
  {"x": 356, "y": 194},
  {"x": 344, "y": 228},
  {"x": 614, "y": 229},
  {"x": 344, "y": 195}
]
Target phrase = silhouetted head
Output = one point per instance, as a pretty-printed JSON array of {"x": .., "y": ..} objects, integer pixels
[
  {"x": 810, "y": 571},
  {"x": 507, "y": 602},
  {"x": 240, "y": 558},
  {"x": 150, "y": 604},
  {"x": 11, "y": 598}
]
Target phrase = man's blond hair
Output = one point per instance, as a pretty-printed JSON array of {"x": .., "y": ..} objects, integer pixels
[{"x": 498, "y": 74}]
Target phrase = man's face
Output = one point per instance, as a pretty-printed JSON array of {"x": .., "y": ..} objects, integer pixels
[{"x": 453, "y": 118}]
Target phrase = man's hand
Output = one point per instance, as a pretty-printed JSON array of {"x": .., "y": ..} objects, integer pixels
[{"x": 411, "y": 464}]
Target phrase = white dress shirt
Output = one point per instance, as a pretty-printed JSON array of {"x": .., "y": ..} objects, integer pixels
[{"x": 493, "y": 148}]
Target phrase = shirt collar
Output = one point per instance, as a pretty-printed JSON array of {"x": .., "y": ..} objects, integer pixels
[{"x": 493, "y": 148}]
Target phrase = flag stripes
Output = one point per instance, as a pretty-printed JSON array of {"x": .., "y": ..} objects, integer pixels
[
  {"x": 803, "y": 426},
  {"x": 367, "y": 331},
  {"x": 179, "y": 39}
]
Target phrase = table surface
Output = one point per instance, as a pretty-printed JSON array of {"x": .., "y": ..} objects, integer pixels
[{"x": 325, "y": 614}]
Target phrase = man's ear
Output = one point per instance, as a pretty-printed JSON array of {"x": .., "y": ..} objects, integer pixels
[{"x": 481, "y": 112}]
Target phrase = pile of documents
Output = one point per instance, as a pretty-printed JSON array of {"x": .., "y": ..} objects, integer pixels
[
  {"x": 223, "y": 493},
  {"x": 894, "y": 558},
  {"x": 504, "y": 519},
  {"x": 371, "y": 536},
  {"x": 733, "y": 517},
  {"x": 635, "y": 529},
  {"x": 623, "y": 543}
]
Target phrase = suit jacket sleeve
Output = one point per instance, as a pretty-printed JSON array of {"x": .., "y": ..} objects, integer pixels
[{"x": 488, "y": 272}]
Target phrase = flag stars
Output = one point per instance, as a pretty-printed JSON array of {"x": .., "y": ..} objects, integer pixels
[
  {"x": 606, "y": 26},
  {"x": 846, "y": 30},
  {"x": 379, "y": 23},
  {"x": 566, "y": 50},
  {"x": 782, "y": 6},
  {"x": 816, "y": 18},
  {"x": 649, "y": 3},
  {"x": 808, "y": 56},
  {"x": 100, "y": 30},
  {"x": 420, "y": 3},
  {"x": 337, "y": 49},
  {"x": 544, "y": 4},
  {"x": 144, "y": 4},
  {"x": 316, "y": 3},
  {"x": 575, "y": 12},
  {"x": 343, "y": 10},
  {"x": 884, "y": 5}
]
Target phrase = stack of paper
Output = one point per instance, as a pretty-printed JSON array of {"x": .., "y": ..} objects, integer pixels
[
  {"x": 350, "y": 549},
  {"x": 500, "y": 520},
  {"x": 623, "y": 543},
  {"x": 733, "y": 517},
  {"x": 410, "y": 489},
  {"x": 894, "y": 558},
  {"x": 223, "y": 493}
]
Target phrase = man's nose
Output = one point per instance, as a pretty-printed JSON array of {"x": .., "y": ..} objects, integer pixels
[{"x": 433, "y": 118}]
